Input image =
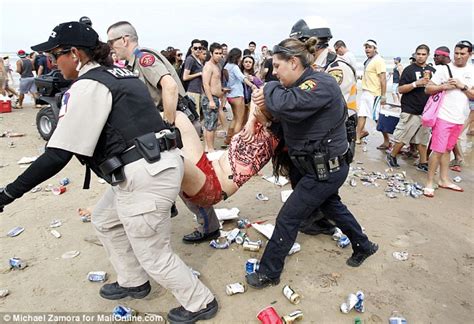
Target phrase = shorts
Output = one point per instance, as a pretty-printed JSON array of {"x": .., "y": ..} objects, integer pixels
[
  {"x": 197, "y": 100},
  {"x": 210, "y": 115},
  {"x": 444, "y": 135},
  {"x": 409, "y": 130},
  {"x": 211, "y": 192},
  {"x": 231, "y": 100},
  {"x": 27, "y": 85},
  {"x": 369, "y": 105},
  {"x": 395, "y": 88}
]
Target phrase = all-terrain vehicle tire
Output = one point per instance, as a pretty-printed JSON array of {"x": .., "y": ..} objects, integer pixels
[{"x": 46, "y": 122}]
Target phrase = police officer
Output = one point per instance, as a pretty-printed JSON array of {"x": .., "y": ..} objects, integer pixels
[
  {"x": 345, "y": 75},
  {"x": 138, "y": 158},
  {"x": 165, "y": 88},
  {"x": 311, "y": 110}
]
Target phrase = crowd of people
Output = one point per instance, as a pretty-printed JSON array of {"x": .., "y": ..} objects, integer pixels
[{"x": 295, "y": 105}]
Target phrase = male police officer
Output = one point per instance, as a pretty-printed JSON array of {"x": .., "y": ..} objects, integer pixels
[
  {"x": 165, "y": 88},
  {"x": 345, "y": 76}
]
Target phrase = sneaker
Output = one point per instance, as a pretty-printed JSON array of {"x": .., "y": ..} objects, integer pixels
[
  {"x": 392, "y": 161},
  {"x": 114, "y": 291},
  {"x": 358, "y": 257},
  {"x": 259, "y": 280},
  {"x": 181, "y": 315},
  {"x": 422, "y": 167}
]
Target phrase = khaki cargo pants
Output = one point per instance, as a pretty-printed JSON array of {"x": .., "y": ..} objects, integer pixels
[{"x": 133, "y": 223}]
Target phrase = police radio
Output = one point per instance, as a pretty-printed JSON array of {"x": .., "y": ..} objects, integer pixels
[{"x": 320, "y": 160}]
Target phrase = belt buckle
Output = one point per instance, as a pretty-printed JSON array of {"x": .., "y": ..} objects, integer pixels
[{"x": 334, "y": 164}]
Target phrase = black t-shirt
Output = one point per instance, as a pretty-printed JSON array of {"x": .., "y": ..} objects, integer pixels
[
  {"x": 414, "y": 101},
  {"x": 269, "y": 65}
]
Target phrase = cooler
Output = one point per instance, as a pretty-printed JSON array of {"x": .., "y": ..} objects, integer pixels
[
  {"x": 5, "y": 105},
  {"x": 388, "y": 119}
]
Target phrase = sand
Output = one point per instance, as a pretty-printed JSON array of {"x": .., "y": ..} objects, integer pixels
[{"x": 435, "y": 284}]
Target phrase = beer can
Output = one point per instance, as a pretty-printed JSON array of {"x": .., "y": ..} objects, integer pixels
[
  {"x": 85, "y": 219},
  {"x": 235, "y": 288},
  {"x": 337, "y": 234},
  {"x": 232, "y": 235},
  {"x": 123, "y": 312},
  {"x": 251, "y": 266},
  {"x": 97, "y": 276},
  {"x": 291, "y": 295},
  {"x": 243, "y": 223},
  {"x": 219, "y": 245},
  {"x": 293, "y": 317},
  {"x": 359, "y": 306},
  {"x": 64, "y": 181},
  {"x": 295, "y": 248},
  {"x": 253, "y": 246},
  {"x": 239, "y": 239},
  {"x": 427, "y": 74},
  {"x": 15, "y": 231},
  {"x": 343, "y": 241},
  {"x": 349, "y": 304},
  {"x": 58, "y": 190},
  {"x": 17, "y": 263}
]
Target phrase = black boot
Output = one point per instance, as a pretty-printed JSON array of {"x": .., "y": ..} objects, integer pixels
[
  {"x": 114, "y": 291},
  {"x": 181, "y": 315},
  {"x": 321, "y": 226},
  {"x": 259, "y": 280},
  {"x": 358, "y": 257}
]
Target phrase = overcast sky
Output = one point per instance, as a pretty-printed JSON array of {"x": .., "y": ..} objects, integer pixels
[{"x": 397, "y": 26}]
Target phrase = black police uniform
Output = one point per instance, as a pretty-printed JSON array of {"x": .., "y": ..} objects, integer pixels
[{"x": 308, "y": 111}]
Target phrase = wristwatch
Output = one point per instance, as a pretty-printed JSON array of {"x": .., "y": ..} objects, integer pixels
[{"x": 465, "y": 88}]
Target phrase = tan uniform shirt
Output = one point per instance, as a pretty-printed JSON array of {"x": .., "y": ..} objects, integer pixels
[
  {"x": 84, "y": 111},
  {"x": 150, "y": 68}
]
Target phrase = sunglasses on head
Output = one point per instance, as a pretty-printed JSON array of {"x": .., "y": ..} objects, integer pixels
[
  {"x": 464, "y": 43},
  {"x": 57, "y": 54}
]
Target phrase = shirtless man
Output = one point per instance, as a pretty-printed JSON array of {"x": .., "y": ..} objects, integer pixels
[{"x": 211, "y": 82}]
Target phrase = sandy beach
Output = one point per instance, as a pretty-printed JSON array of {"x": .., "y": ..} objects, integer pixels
[{"x": 435, "y": 284}]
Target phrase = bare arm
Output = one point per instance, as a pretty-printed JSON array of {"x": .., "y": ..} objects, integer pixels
[
  {"x": 187, "y": 76},
  {"x": 409, "y": 87},
  {"x": 383, "y": 85},
  {"x": 169, "y": 95},
  {"x": 432, "y": 88},
  {"x": 19, "y": 66}
]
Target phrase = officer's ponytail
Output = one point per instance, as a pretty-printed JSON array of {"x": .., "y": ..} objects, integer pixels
[
  {"x": 290, "y": 47},
  {"x": 311, "y": 45},
  {"x": 99, "y": 54}
]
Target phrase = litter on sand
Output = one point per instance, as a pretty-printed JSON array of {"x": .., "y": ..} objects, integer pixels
[
  {"x": 224, "y": 214},
  {"x": 281, "y": 181},
  {"x": 285, "y": 194}
]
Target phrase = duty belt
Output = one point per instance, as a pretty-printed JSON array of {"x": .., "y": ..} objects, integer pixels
[{"x": 133, "y": 155}]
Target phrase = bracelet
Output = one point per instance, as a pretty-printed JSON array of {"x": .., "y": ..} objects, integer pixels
[{"x": 413, "y": 84}]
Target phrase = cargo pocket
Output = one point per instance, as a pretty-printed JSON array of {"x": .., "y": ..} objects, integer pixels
[
  {"x": 140, "y": 219},
  {"x": 166, "y": 162}
]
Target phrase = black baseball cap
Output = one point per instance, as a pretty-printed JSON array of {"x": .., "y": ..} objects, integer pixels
[{"x": 71, "y": 33}]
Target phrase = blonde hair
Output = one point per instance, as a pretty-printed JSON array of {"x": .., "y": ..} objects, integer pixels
[{"x": 305, "y": 51}]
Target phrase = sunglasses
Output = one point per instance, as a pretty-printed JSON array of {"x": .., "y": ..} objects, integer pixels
[
  {"x": 180, "y": 54},
  {"x": 55, "y": 55},
  {"x": 196, "y": 48},
  {"x": 111, "y": 42}
]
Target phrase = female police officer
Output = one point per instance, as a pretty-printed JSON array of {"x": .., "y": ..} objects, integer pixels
[
  {"x": 108, "y": 120},
  {"x": 311, "y": 110}
]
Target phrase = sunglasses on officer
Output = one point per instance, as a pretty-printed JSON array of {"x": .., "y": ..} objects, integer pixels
[
  {"x": 55, "y": 55},
  {"x": 112, "y": 41}
]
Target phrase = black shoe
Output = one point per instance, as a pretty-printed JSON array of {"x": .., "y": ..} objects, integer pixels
[
  {"x": 260, "y": 280},
  {"x": 322, "y": 226},
  {"x": 181, "y": 315},
  {"x": 174, "y": 210},
  {"x": 358, "y": 257},
  {"x": 198, "y": 237},
  {"x": 392, "y": 161},
  {"x": 114, "y": 291},
  {"x": 423, "y": 167}
]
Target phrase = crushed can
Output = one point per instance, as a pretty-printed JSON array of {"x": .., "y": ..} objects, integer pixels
[
  {"x": 268, "y": 315},
  {"x": 396, "y": 318},
  {"x": 359, "y": 306},
  {"x": 253, "y": 246},
  {"x": 295, "y": 248},
  {"x": 64, "y": 181},
  {"x": 343, "y": 241},
  {"x": 85, "y": 219},
  {"x": 349, "y": 304},
  {"x": 291, "y": 295},
  {"x": 97, "y": 276},
  {"x": 251, "y": 266},
  {"x": 17, "y": 263},
  {"x": 219, "y": 244},
  {"x": 241, "y": 238},
  {"x": 294, "y": 316},
  {"x": 232, "y": 235},
  {"x": 15, "y": 231},
  {"x": 58, "y": 190},
  {"x": 235, "y": 288},
  {"x": 243, "y": 223},
  {"x": 122, "y": 312}
]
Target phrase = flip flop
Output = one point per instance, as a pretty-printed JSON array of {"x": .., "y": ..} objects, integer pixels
[
  {"x": 428, "y": 192},
  {"x": 383, "y": 147},
  {"x": 453, "y": 187},
  {"x": 364, "y": 134},
  {"x": 456, "y": 168}
]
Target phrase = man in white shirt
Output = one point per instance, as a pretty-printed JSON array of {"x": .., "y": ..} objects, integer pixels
[
  {"x": 342, "y": 50},
  {"x": 453, "y": 111}
]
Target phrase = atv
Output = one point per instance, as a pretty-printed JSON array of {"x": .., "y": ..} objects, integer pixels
[{"x": 51, "y": 88}]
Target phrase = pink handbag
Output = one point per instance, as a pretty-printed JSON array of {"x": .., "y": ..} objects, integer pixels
[{"x": 430, "y": 112}]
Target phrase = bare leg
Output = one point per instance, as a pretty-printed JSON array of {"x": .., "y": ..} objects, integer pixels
[
  {"x": 422, "y": 149},
  {"x": 360, "y": 128},
  {"x": 209, "y": 140},
  {"x": 20, "y": 100},
  {"x": 443, "y": 170},
  {"x": 433, "y": 164}
]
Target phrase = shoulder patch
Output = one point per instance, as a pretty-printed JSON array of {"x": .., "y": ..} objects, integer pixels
[
  {"x": 147, "y": 60},
  {"x": 337, "y": 74},
  {"x": 308, "y": 85}
]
